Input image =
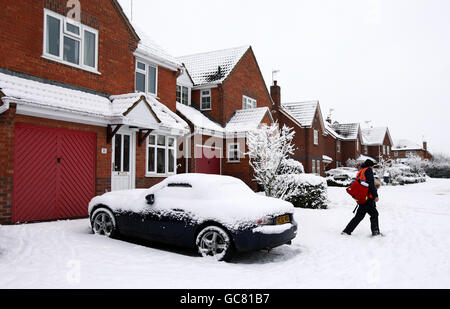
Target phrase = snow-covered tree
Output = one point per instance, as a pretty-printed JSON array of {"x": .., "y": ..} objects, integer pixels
[{"x": 270, "y": 147}]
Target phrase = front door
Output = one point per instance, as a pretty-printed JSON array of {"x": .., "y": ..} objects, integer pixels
[{"x": 123, "y": 161}]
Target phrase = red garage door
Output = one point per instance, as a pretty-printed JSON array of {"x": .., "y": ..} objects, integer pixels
[
  {"x": 54, "y": 173},
  {"x": 207, "y": 161}
]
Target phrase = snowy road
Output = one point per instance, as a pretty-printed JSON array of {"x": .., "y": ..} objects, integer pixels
[{"x": 414, "y": 254}]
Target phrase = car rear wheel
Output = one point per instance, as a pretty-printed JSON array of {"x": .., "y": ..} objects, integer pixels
[
  {"x": 103, "y": 223},
  {"x": 213, "y": 241}
]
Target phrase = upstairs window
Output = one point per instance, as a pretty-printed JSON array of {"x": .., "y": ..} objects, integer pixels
[
  {"x": 146, "y": 78},
  {"x": 205, "y": 99},
  {"x": 70, "y": 42},
  {"x": 338, "y": 146},
  {"x": 248, "y": 103},
  {"x": 183, "y": 94},
  {"x": 316, "y": 137}
]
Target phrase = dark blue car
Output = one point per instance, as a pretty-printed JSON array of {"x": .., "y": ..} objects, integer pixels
[{"x": 218, "y": 215}]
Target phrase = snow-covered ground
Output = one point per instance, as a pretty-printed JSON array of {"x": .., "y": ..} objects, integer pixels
[{"x": 415, "y": 253}]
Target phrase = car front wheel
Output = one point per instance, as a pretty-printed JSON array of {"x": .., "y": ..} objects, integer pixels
[
  {"x": 103, "y": 223},
  {"x": 213, "y": 241}
]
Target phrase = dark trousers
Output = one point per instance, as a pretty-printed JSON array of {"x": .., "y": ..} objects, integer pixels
[{"x": 368, "y": 208}]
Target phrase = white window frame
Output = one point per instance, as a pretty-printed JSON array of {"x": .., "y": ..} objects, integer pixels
[
  {"x": 166, "y": 148},
  {"x": 146, "y": 74},
  {"x": 396, "y": 154},
  {"x": 64, "y": 33},
  {"x": 182, "y": 95},
  {"x": 237, "y": 149},
  {"x": 366, "y": 150},
  {"x": 205, "y": 96},
  {"x": 313, "y": 170},
  {"x": 249, "y": 103},
  {"x": 384, "y": 149},
  {"x": 339, "y": 146},
  {"x": 316, "y": 137},
  {"x": 318, "y": 169},
  {"x": 388, "y": 150}
]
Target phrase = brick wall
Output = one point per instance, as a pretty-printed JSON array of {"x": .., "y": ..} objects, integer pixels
[
  {"x": 22, "y": 45},
  {"x": 246, "y": 79},
  {"x": 7, "y": 122}
]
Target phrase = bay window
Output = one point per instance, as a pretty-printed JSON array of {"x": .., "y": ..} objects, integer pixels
[
  {"x": 161, "y": 155},
  {"x": 146, "y": 79},
  {"x": 70, "y": 42}
]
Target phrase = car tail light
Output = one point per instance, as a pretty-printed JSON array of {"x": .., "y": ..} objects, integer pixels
[{"x": 265, "y": 221}]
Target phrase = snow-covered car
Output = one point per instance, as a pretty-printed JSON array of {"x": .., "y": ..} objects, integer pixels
[
  {"x": 218, "y": 215},
  {"x": 341, "y": 176}
]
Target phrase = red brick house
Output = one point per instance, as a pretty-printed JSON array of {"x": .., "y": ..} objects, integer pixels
[
  {"x": 405, "y": 148},
  {"x": 86, "y": 106},
  {"x": 224, "y": 98},
  {"x": 348, "y": 141},
  {"x": 315, "y": 148},
  {"x": 377, "y": 143}
]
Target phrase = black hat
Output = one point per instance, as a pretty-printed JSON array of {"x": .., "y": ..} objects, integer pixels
[{"x": 368, "y": 163}]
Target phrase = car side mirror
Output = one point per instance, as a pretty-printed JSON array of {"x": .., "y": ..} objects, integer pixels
[{"x": 150, "y": 199}]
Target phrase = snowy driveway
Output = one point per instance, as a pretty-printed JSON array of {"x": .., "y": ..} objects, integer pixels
[{"x": 414, "y": 254}]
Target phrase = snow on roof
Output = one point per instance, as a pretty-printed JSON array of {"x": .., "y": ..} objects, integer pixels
[
  {"x": 147, "y": 47},
  {"x": 303, "y": 112},
  {"x": 121, "y": 103},
  {"x": 213, "y": 67},
  {"x": 327, "y": 158},
  {"x": 346, "y": 130},
  {"x": 374, "y": 136},
  {"x": 404, "y": 144},
  {"x": 246, "y": 119},
  {"x": 36, "y": 93},
  {"x": 198, "y": 119}
]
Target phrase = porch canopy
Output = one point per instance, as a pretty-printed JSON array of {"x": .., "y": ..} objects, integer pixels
[{"x": 137, "y": 110}]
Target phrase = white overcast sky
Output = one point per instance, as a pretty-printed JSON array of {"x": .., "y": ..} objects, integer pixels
[{"x": 385, "y": 61}]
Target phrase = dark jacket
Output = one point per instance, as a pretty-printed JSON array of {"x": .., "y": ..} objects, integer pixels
[{"x": 370, "y": 179}]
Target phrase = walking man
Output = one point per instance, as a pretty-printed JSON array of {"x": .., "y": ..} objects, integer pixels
[{"x": 368, "y": 208}]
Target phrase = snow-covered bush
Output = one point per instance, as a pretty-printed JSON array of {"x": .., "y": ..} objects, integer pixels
[
  {"x": 341, "y": 176},
  {"x": 352, "y": 163},
  {"x": 280, "y": 176},
  {"x": 304, "y": 190},
  {"x": 439, "y": 167},
  {"x": 269, "y": 147},
  {"x": 402, "y": 174}
]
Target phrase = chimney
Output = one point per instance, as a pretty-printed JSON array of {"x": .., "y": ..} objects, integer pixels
[
  {"x": 275, "y": 93},
  {"x": 425, "y": 146}
]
